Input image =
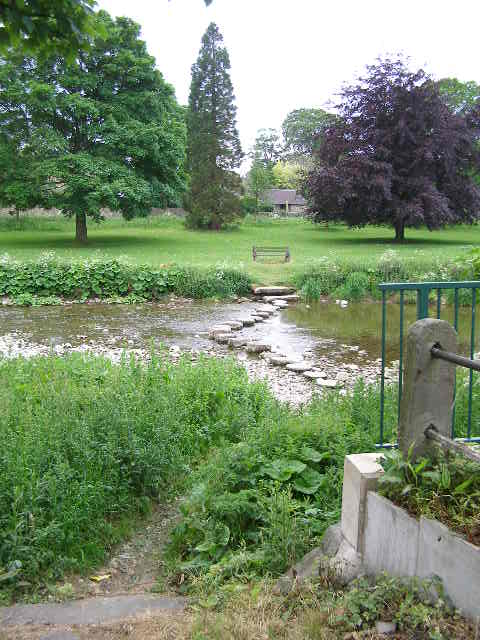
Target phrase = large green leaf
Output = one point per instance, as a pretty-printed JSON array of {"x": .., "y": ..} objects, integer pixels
[
  {"x": 283, "y": 470},
  {"x": 309, "y": 482},
  {"x": 312, "y": 455}
]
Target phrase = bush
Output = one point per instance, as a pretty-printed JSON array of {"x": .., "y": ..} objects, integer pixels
[
  {"x": 112, "y": 278},
  {"x": 355, "y": 288}
]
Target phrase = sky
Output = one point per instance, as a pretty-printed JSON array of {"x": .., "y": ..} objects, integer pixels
[{"x": 289, "y": 54}]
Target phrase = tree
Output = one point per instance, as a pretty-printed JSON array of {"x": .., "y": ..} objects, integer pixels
[
  {"x": 104, "y": 132},
  {"x": 303, "y": 130},
  {"x": 213, "y": 149},
  {"x": 259, "y": 179},
  {"x": 397, "y": 156},
  {"x": 461, "y": 97},
  {"x": 45, "y": 27},
  {"x": 287, "y": 175},
  {"x": 267, "y": 148}
]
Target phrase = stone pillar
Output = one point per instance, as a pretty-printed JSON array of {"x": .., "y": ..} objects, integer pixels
[{"x": 428, "y": 385}]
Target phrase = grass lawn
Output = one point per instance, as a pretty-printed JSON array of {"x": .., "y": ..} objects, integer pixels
[{"x": 165, "y": 240}]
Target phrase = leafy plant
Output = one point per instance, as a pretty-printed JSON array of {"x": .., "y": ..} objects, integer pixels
[{"x": 445, "y": 487}]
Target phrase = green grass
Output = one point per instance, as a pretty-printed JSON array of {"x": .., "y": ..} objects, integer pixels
[{"x": 163, "y": 240}]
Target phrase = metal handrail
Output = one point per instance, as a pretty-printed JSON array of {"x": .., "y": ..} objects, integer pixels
[
  {"x": 468, "y": 363},
  {"x": 432, "y": 433}
]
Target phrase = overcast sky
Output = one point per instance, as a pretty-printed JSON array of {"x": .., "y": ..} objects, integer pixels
[{"x": 288, "y": 54}]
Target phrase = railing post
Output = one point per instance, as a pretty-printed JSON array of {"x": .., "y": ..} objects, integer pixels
[
  {"x": 428, "y": 385},
  {"x": 422, "y": 302}
]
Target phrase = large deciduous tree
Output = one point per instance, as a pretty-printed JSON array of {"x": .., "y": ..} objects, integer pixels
[
  {"x": 259, "y": 179},
  {"x": 398, "y": 155},
  {"x": 103, "y": 132},
  {"x": 303, "y": 131},
  {"x": 461, "y": 97},
  {"x": 43, "y": 27},
  {"x": 267, "y": 148},
  {"x": 213, "y": 148}
]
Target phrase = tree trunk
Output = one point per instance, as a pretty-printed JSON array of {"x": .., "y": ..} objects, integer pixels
[
  {"x": 399, "y": 231},
  {"x": 81, "y": 227}
]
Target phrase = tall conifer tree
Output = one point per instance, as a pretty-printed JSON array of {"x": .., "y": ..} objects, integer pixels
[{"x": 214, "y": 150}]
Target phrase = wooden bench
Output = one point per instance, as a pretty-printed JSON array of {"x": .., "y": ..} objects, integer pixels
[{"x": 271, "y": 252}]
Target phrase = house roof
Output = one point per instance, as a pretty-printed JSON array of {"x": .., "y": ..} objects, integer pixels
[{"x": 281, "y": 196}]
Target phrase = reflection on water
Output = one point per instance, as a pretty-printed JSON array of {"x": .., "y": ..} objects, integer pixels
[{"x": 361, "y": 324}]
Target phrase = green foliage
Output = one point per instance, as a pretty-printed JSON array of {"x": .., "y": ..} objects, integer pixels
[
  {"x": 461, "y": 97},
  {"x": 37, "y": 281},
  {"x": 405, "y": 602},
  {"x": 303, "y": 130},
  {"x": 46, "y": 27},
  {"x": 267, "y": 148},
  {"x": 356, "y": 287},
  {"x": 259, "y": 179},
  {"x": 287, "y": 175},
  {"x": 84, "y": 443},
  {"x": 444, "y": 488},
  {"x": 258, "y": 504},
  {"x": 213, "y": 149},
  {"x": 354, "y": 280},
  {"x": 116, "y": 138}
]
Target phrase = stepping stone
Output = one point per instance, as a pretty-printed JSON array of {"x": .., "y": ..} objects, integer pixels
[
  {"x": 280, "y": 304},
  {"x": 248, "y": 322},
  {"x": 263, "y": 314},
  {"x": 221, "y": 328},
  {"x": 272, "y": 291},
  {"x": 299, "y": 367},
  {"x": 314, "y": 375},
  {"x": 257, "y": 347},
  {"x": 269, "y": 308},
  {"x": 223, "y": 338},
  {"x": 235, "y": 325},
  {"x": 88, "y": 611},
  {"x": 237, "y": 342},
  {"x": 292, "y": 297},
  {"x": 278, "y": 360},
  {"x": 328, "y": 383},
  {"x": 257, "y": 318}
]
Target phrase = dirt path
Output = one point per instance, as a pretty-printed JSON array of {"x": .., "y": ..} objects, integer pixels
[{"x": 130, "y": 584}]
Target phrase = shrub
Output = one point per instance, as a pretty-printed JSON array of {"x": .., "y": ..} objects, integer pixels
[
  {"x": 356, "y": 286},
  {"x": 112, "y": 278}
]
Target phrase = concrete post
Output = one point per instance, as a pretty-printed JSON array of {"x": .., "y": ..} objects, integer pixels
[{"x": 428, "y": 385}]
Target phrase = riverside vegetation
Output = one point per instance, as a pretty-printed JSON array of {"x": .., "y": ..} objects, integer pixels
[
  {"x": 50, "y": 277},
  {"x": 87, "y": 447}
]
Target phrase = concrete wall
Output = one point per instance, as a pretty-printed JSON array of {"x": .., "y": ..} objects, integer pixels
[
  {"x": 390, "y": 540},
  {"x": 402, "y": 546}
]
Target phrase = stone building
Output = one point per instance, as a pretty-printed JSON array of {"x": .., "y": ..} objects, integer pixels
[{"x": 286, "y": 202}]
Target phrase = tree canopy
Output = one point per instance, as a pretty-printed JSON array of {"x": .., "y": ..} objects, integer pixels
[
  {"x": 267, "y": 148},
  {"x": 398, "y": 155},
  {"x": 302, "y": 130},
  {"x": 213, "y": 149},
  {"x": 103, "y": 132},
  {"x": 461, "y": 97},
  {"x": 45, "y": 27}
]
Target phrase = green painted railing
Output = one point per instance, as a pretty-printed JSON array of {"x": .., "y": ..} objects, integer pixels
[{"x": 423, "y": 291}]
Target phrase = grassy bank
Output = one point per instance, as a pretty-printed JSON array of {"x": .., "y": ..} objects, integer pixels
[
  {"x": 84, "y": 444},
  {"x": 162, "y": 240}
]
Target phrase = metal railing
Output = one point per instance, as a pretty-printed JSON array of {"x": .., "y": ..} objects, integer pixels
[{"x": 423, "y": 292}]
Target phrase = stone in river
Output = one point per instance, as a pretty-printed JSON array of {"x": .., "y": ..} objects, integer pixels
[
  {"x": 234, "y": 324},
  {"x": 314, "y": 375},
  {"x": 248, "y": 322},
  {"x": 299, "y": 367},
  {"x": 223, "y": 338},
  {"x": 272, "y": 291},
  {"x": 328, "y": 384},
  {"x": 280, "y": 304},
  {"x": 220, "y": 328},
  {"x": 257, "y": 318},
  {"x": 257, "y": 347},
  {"x": 278, "y": 360},
  {"x": 237, "y": 342},
  {"x": 262, "y": 314}
]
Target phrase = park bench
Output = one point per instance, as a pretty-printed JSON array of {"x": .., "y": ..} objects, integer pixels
[{"x": 271, "y": 252}]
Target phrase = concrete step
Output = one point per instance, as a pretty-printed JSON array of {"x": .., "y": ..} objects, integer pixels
[
  {"x": 89, "y": 611},
  {"x": 291, "y": 297}
]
